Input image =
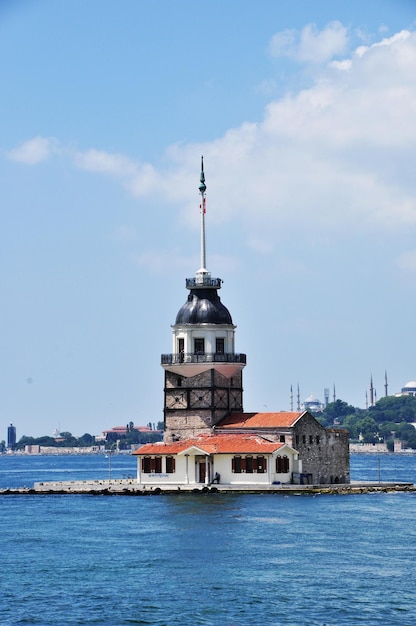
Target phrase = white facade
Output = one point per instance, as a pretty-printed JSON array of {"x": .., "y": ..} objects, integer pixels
[
  {"x": 208, "y": 332},
  {"x": 199, "y": 467}
]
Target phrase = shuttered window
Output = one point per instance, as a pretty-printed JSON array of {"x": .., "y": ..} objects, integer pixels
[
  {"x": 261, "y": 463},
  {"x": 282, "y": 464},
  {"x": 285, "y": 464},
  {"x": 170, "y": 465},
  {"x": 146, "y": 464},
  {"x": 236, "y": 464},
  {"x": 152, "y": 465}
]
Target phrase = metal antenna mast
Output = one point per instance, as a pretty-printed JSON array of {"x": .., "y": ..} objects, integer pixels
[{"x": 202, "y": 190}]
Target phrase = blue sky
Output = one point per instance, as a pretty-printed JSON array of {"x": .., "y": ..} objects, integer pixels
[{"x": 306, "y": 115}]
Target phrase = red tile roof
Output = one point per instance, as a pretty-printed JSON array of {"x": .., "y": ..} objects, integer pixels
[
  {"x": 282, "y": 419},
  {"x": 214, "y": 444}
]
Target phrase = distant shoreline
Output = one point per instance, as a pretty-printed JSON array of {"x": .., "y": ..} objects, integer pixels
[{"x": 355, "y": 448}]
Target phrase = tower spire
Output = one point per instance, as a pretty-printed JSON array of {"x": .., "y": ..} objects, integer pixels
[{"x": 202, "y": 189}]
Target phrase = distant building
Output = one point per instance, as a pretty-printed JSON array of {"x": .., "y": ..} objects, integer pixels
[
  {"x": 11, "y": 437},
  {"x": 312, "y": 404},
  {"x": 121, "y": 431},
  {"x": 408, "y": 390}
]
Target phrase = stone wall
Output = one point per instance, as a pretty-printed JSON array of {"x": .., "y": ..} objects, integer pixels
[
  {"x": 208, "y": 398},
  {"x": 324, "y": 452}
]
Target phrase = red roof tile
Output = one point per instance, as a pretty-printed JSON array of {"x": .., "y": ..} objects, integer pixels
[
  {"x": 261, "y": 420},
  {"x": 214, "y": 444}
]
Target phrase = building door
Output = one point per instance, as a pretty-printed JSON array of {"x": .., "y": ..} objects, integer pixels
[{"x": 202, "y": 471}]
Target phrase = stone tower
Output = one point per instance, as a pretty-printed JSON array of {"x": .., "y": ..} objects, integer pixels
[{"x": 203, "y": 375}]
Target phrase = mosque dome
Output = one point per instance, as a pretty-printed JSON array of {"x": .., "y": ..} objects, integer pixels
[
  {"x": 410, "y": 385},
  {"x": 203, "y": 306}
]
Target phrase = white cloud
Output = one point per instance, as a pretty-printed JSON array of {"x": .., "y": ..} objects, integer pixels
[
  {"x": 336, "y": 156},
  {"x": 311, "y": 45},
  {"x": 34, "y": 151},
  {"x": 105, "y": 163},
  {"x": 140, "y": 178}
]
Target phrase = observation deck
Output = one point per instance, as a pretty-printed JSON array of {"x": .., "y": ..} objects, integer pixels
[
  {"x": 190, "y": 364},
  {"x": 203, "y": 281},
  {"x": 213, "y": 357}
]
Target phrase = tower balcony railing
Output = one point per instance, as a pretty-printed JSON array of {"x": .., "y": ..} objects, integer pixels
[
  {"x": 204, "y": 357},
  {"x": 203, "y": 281}
]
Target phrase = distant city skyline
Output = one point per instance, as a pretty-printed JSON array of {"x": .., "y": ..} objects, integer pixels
[{"x": 305, "y": 114}]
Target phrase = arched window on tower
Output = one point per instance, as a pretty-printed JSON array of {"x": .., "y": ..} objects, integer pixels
[
  {"x": 220, "y": 345},
  {"x": 199, "y": 345},
  {"x": 181, "y": 348}
]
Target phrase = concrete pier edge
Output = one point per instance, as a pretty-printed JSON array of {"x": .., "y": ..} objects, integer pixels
[{"x": 131, "y": 488}]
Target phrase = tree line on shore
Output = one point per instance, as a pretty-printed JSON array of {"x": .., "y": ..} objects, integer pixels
[
  {"x": 132, "y": 436},
  {"x": 388, "y": 419}
]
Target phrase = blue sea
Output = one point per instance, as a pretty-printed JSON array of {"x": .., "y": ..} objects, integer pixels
[{"x": 207, "y": 559}]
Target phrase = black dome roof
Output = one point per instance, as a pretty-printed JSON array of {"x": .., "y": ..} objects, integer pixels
[{"x": 203, "y": 307}]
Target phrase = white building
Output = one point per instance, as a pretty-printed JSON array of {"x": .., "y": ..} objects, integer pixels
[{"x": 228, "y": 459}]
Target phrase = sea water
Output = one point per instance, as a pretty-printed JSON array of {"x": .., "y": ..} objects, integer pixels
[{"x": 211, "y": 559}]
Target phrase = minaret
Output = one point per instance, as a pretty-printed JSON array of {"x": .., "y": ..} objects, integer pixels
[
  {"x": 291, "y": 398},
  {"x": 386, "y": 387},
  {"x": 298, "y": 399},
  {"x": 371, "y": 391},
  {"x": 203, "y": 375}
]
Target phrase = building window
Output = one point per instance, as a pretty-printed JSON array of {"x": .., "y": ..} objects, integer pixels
[
  {"x": 249, "y": 464},
  {"x": 318, "y": 439},
  {"x": 179, "y": 382},
  {"x": 219, "y": 345},
  {"x": 261, "y": 464},
  {"x": 303, "y": 438},
  {"x": 282, "y": 439},
  {"x": 170, "y": 465},
  {"x": 310, "y": 439},
  {"x": 146, "y": 464},
  {"x": 199, "y": 346},
  {"x": 282, "y": 464},
  {"x": 152, "y": 465},
  {"x": 297, "y": 440}
]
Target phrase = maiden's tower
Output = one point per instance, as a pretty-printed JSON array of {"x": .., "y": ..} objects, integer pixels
[{"x": 203, "y": 374}]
